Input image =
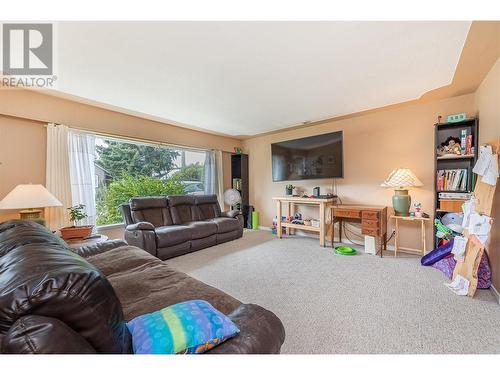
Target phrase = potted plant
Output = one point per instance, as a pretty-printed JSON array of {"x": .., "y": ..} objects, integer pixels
[
  {"x": 289, "y": 189},
  {"x": 76, "y": 214}
]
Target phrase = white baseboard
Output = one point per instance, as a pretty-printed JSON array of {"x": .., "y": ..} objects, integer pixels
[
  {"x": 495, "y": 293},
  {"x": 336, "y": 239}
]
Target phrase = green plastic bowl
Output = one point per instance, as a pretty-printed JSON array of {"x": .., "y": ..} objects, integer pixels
[{"x": 345, "y": 250}]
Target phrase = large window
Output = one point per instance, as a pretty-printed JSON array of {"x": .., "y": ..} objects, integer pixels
[{"x": 124, "y": 169}]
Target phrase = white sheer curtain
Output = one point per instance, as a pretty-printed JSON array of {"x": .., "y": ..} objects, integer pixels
[
  {"x": 220, "y": 178},
  {"x": 82, "y": 172},
  {"x": 210, "y": 173},
  {"x": 57, "y": 178},
  {"x": 214, "y": 174}
]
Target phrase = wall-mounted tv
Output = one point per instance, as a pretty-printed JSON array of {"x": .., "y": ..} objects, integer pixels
[{"x": 315, "y": 157}]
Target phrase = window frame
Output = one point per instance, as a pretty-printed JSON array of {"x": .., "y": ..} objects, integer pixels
[{"x": 143, "y": 142}]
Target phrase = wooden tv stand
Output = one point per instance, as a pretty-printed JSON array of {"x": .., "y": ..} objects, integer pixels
[{"x": 290, "y": 202}]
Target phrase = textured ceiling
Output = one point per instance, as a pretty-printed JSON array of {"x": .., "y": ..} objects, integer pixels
[{"x": 246, "y": 78}]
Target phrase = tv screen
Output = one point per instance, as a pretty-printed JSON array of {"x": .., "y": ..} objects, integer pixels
[{"x": 315, "y": 157}]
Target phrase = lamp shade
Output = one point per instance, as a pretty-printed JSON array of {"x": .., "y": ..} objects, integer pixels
[
  {"x": 402, "y": 178},
  {"x": 29, "y": 196}
]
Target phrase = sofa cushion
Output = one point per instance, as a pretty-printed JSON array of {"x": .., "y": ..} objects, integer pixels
[
  {"x": 48, "y": 279},
  {"x": 226, "y": 224},
  {"x": 172, "y": 235},
  {"x": 201, "y": 229},
  {"x": 190, "y": 327},
  {"x": 208, "y": 206},
  {"x": 153, "y": 210},
  {"x": 182, "y": 209},
  {"x": 154, "y": 285}
]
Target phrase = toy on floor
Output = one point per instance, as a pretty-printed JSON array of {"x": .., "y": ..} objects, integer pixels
[
  {"x": 442, "y": 230},
  {"x": 345, "y": 250},
  {"x": 275, "y": 225},
  {"x": 447, "y": 265},
  {"x": 437, "y": 254}
]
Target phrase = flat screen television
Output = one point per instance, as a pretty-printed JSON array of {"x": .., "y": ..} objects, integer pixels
[{"x": 315, "y": 157}]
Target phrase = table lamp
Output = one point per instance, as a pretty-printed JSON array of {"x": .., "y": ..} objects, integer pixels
[
  {"x": 401, "y": 179},
  {"x": 28, "y": 197}
]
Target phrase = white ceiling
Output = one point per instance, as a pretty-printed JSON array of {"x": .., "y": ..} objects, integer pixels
[{"x": 245, "y": 78}]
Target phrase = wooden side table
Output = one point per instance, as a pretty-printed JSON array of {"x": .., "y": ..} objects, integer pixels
[
  {"x": 422, "y": 221},
  {"x": 79, "y": 242}
]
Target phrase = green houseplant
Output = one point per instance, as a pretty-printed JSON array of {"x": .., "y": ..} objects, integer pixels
[{"x": 76, "y": 214}]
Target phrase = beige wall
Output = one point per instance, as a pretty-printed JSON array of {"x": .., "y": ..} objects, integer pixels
[
  {"x": 488, "y": 106},
  {"x": 374, "y": 145},
  {"x": 22, "y": 156},
  {"x": 46, "y": 108},
  {"x": 23, "y": 137}
]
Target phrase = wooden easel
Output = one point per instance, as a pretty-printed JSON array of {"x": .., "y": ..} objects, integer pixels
[{"x": 468, "y": 267}]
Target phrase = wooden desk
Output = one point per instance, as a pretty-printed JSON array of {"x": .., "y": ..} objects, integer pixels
[
  {"x": 422, "y": 221},
  {"x": 290, "y": 202},
  {"x": 373, "y": 221}
]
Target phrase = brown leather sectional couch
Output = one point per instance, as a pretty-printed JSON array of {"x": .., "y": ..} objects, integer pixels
[
  {"x": 167, "y": 227},
  {"x": 57, "y": 300}
]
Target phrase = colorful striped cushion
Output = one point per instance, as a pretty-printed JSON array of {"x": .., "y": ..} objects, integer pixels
[{"x": 186, "y": 327}]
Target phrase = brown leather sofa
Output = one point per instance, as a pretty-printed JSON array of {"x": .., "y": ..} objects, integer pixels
[
  {"x": 57, "y": 300},
  {"x": 167, "y": 227}
]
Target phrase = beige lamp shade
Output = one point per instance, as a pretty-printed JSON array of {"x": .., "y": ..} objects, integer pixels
[
  {"x": 402, "y": 178},
  {"x": 29, "y": 196}
]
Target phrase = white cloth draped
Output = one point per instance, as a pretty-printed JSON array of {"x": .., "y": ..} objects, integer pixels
[
  {"x": 57, "y": 178},
  {"x": 214, "y": 175},
  {"x": 82, "y": 173}
]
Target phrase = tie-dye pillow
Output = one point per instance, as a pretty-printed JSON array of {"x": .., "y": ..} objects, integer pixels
[{"x": 186, "y": 327}]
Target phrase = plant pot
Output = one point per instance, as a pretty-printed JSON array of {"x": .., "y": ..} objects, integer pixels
[
  {"x": 288, "y": 191},
  {"x": 76, "y": 232}
]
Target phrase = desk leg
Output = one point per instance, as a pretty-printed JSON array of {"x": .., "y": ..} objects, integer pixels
[
  {"x": 396, "y": 238},
  {"x": 322, "y": 224},
  {"x": 278, "y": 218},
  {"x": 340, "y": 230},
  {"x": 423, "y": 236},
  {"x": 333, "y": 232},
  {"x": 384, "y": 245}
]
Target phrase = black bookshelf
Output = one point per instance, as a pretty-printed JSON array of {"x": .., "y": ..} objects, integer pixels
[
  {"x": 239, "y": 181},
  {"x": 441, "y": 132}
]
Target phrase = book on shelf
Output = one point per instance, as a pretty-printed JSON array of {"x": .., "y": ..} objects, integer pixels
[
  {"x": 452, "y": 180},
  {"x": 463, "y": 141},
  {"x": 468, "y": 145},
  {"x": 460, "y": 196}
]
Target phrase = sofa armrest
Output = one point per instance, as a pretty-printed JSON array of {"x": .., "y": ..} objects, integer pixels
[
  {"x": 143, "y": 225},
  {"x": 261, "y": 332},
  {"x": 97, "y": 248},
  {"x": 232, "y": 214},
  {"x": 36, "y": 334},
  {"x": 142, "y": 235}
]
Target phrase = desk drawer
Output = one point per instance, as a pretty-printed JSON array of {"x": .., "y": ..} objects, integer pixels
[
  {"x": 370, "y": 224},
  {"x": 370, "y": 232},
  {"x": 340, "y": 212},
  {"x": 371, "y": 215}
]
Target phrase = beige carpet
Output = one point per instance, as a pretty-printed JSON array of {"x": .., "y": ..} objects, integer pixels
[{"x": 338, "y": 304}]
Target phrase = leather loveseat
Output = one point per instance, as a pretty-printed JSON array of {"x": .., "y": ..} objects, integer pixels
[
  {"x": 57, "y": 300},
  {"x": 167, "y": 227}
]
